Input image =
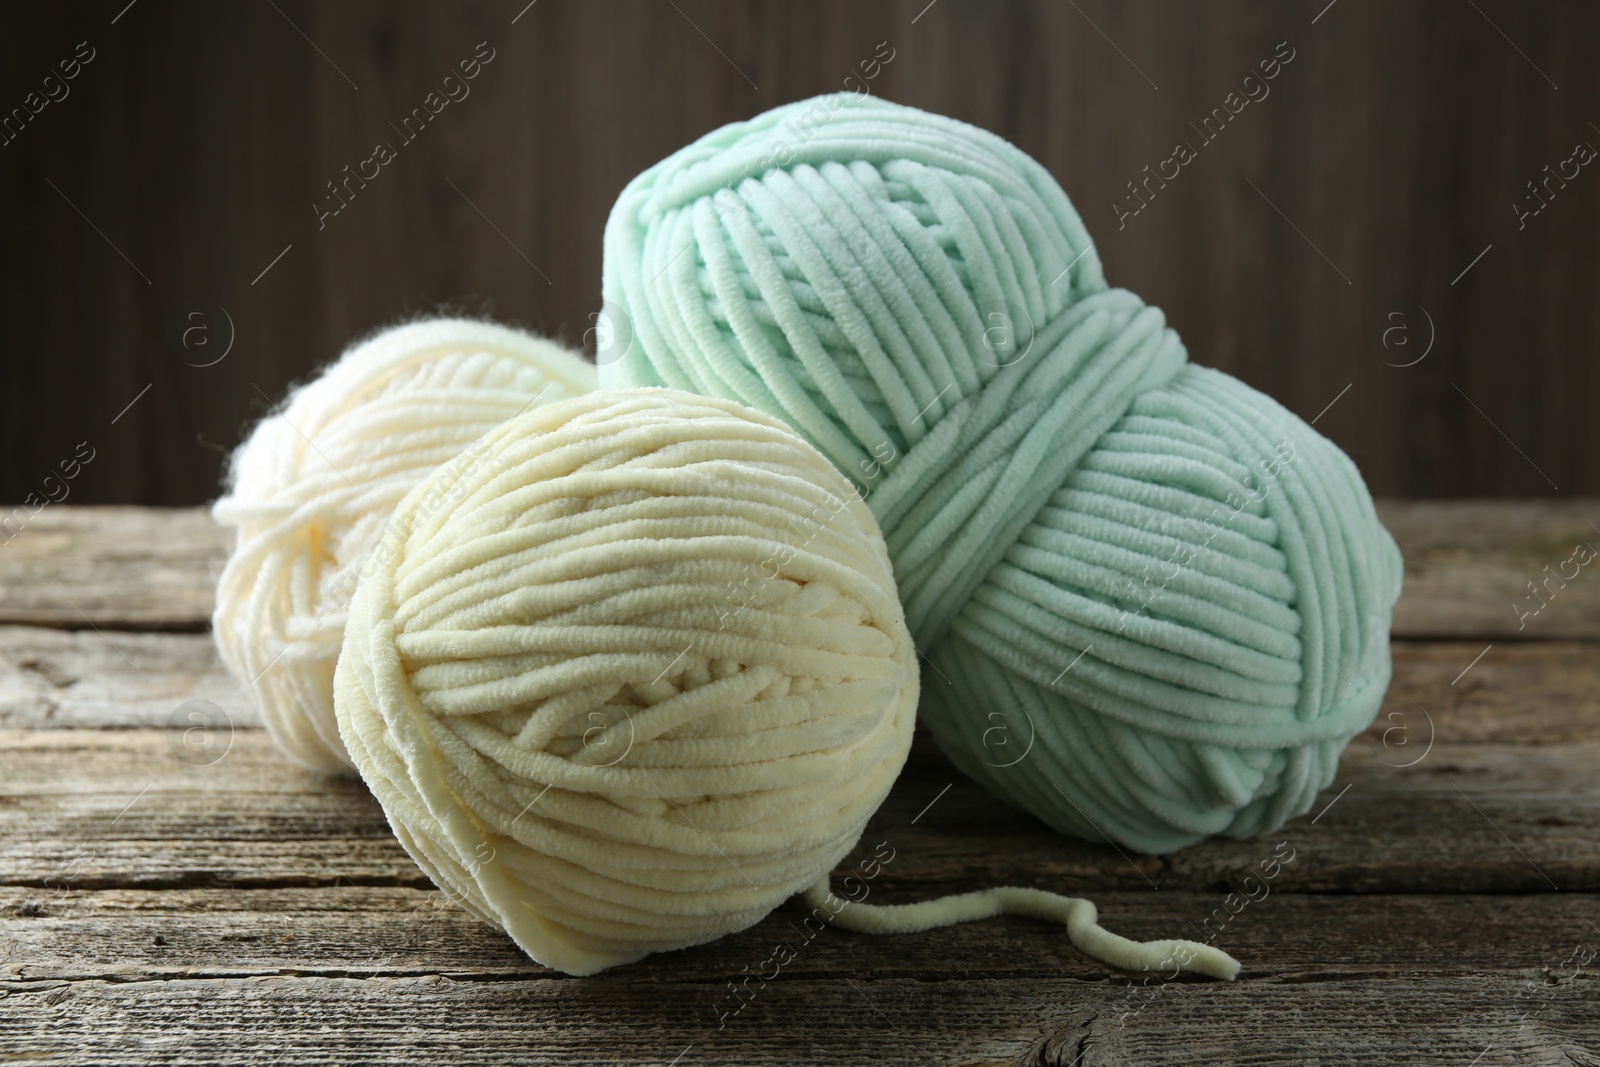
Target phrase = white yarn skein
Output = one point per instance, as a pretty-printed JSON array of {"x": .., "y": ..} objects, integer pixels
[
  {"x": 311, "y": 489},
  {"x": 646, "y": 678}
]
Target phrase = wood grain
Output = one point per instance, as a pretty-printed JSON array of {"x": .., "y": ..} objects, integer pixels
[
  {"x": 1467, "y": 564},
  {"x": 172, "y": 890},
  {"x": 98, "y": 679},
  {"x": 1468, "y": 818},
  {"x": 1359, "y": 189},
  {"x": 76, "y": 935},
  {"x": 1497, "y": 568},
  {"x": 113, "y": 567},
  {"x": 1533, "y": 692},
  {"x": 852, "y": 1018}
]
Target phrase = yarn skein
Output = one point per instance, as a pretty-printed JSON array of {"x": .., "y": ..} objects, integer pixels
[
  {"x": 645, "y": 677},
  {"x": 310, "y": 491},
  {"x": 1154, "y": 603}
]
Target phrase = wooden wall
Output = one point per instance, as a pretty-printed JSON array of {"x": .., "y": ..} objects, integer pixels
[{"x": 190, "y": 149}]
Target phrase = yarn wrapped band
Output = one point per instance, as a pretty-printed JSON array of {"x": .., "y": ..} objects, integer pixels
[
  {"x": 310, "y": 491},
  {"x": 1155, "y": 604},
  {"x": 645, "y": 678}
]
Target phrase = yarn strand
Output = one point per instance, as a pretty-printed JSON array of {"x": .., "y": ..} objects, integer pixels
[{"x": 1079, "y": 916}]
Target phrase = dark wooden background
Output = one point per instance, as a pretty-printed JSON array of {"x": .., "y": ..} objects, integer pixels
[{"x": 1386, "y": 158}]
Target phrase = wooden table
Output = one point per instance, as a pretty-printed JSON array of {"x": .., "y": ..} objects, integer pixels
[{"x": 172, "y": 896}]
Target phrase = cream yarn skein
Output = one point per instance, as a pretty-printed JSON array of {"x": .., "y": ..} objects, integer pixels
[
  {"x": 647, "y": 676},
  {"x": 310, "y": 491},
  {"x": 645, "y": 680}
]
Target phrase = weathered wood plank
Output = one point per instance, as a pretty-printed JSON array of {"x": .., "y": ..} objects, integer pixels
[
  {"x": 1517, "y": 693},
  {"x": 113, "y": 567},
  {"x": 856, "y": 1018},
  {"x": 132, "y": 808},
  {"x": 1467, "y": 564},
  {"x": 361, "y": 931},
  {"x": 95, "y": 679},
  {"x": 172, "y": 890},
  {"x": 1531, "y": 692}
]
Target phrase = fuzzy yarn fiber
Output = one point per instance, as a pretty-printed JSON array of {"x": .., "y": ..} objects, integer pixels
[{"x": 310, "y": 491}]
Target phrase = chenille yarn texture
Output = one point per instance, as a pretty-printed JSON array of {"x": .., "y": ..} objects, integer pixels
[
  {"x": 310, "y": 492},
  {"x": 646, "y": 677},
  {"x": 1155, "y": 604}
]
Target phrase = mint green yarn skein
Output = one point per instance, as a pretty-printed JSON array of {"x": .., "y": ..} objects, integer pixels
[{"x": 1154, "y": 603}]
